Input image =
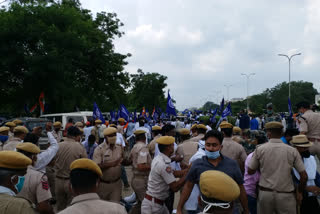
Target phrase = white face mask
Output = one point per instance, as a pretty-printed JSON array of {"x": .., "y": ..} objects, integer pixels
[{"x": 209, "y": 205}]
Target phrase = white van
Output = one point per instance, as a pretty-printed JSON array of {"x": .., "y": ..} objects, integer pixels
[{"x": 82, "y": 116}]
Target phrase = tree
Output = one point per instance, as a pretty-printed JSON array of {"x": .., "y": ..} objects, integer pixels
[
  {"x": 147, "y": 90},
  {"x": 209, "y": 105},
  {"x": 59, "y": 48}
]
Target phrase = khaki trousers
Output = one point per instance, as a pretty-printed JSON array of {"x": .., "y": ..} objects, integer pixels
[
  {"x": 315, "y": 148},
  {"x": 50, "y": 172},
  {"x": 150, "y": 207},
  {"x": 110, "y": 191},
  {"x": 63, "y": 195},
  {"x": 139, "y": 185},
  {"x": 273, "y": 202}
]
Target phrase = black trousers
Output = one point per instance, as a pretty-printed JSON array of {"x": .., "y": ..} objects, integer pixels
[
  {"x": 310, "y": 205},
  {"x": 169, "y": 201}
]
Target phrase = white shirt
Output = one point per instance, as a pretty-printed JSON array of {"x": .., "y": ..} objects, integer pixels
[
  {"x": 87, "y": 132},
  {"x": 101, "y": 129},
  {"x": 45, "y": 157},
  {"x": 5, "y": 190},
  {"x": 120, "y": 140}
]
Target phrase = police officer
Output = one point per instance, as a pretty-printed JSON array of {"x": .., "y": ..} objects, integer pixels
[
  {"x": 109, "y": 156},
  {"x": 141, "y": 165},
  {"x": 201, "y": 131},
  {"x": 13, "y": 167},
  {"x": 193, "y": 130},
  {"x": 187, "y": 148},
  {"x": 84, "y": 180},
  {"x": 69, "y": 150},
  {"x": 95, "y": 130},
  {"x": 310, "y": 126},
  {"x": 4, "y": 136},
  {"x": 230, "y": 148},
  {"x": 161, "y": 179},
  {"x": 121, "y": 122},
  {"x": 270, "y": 114},
  {"x": 19, "y": 134},
  {"x": 275, "y": 161},
  {"x": 11, "y": 125},
  {"x": 36, "y": 187},
  {"x": 56, "y": 132},
  {"x": 156, "y": 133}
]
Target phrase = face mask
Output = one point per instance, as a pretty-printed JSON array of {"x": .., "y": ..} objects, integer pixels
[
  {"x": 112, "y": 140},
  {"x": 20, "y": 183},
  {"x": 305, "y": 154},
  {"x": 212, "y": 155},
  {"x": 3, "y": 138}
]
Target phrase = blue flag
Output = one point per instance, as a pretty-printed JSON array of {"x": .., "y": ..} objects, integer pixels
[
  {"x": 124, "y": 113},
  {"x": 135, "y": 116},
  {"x": 214, "y": 113},
  {"x": 227, "y": 111},
  {"x": 170, "y": 107},
  {"x": 118, "y": 114},
  {"x": 290, "y": 107},
  {"x": 113, "y": 117},
  {"x": 222, "y": 105},
  {"x": 97, "y": 113}
]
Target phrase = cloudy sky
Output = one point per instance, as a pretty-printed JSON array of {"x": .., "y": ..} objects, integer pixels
[{"x": 203, "y": 45}]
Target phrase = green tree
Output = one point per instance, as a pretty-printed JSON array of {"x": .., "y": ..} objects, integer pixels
[
  {"x": 147, "y": 91},
  {"x": 59, "y": 48},
  {"x": 208, "y": 106}
]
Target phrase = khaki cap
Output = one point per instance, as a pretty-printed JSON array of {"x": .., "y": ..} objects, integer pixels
[
  {"x": 300, "y": 141},
  {"x": 85, "y": 163},
  {"x": 98, "y": 122},
  {"x": 17, "y": 122},
  {"x": 77, "y": 124},
  {"x": 236, "y": 129},
  {"x": 138, "y": 132},
  {"x": 218, "y": 185},
  {"x": 184, "y": 131},
  {"x": 201, "y": 126},
  {"x": 109, "y": 131},
  {"x": 121, "y": 120},
  {"x": 20, "y": 129},
  {"x": 113, "y": 125},
  {"x": 10, "y": 124},
  {"x": 156, "y": 128},
  {"x": 165, "y": 140},
  {"x": 225, "y": 125},
  {"x": 194, "y": 126},
  {"x": 14, "y": 160},
  {"x": 28, "y": 147},
  {"x": 57, "y": 124},
  {"x": 4, "y": 129},
  {"x": 274, "y": 125}
]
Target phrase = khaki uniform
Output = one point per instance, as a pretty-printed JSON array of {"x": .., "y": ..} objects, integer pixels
[
  {"x": 187, "y": 149},
  {"x": 57, "y": 136},
  {"x": 110, "y": 187},
  {"x": 36, "y": 187},
  {"x": 160, "y": 177},
  {"x": 91, "y": 203},
  {"x": 95, "y": 132},
  {"x": 152, "y": 145},
  {"x": 234, "y": 151},
  {"x": 275, "y": 161},
  {"x": 139, "y": 155},
  {"x": 50, "y": 171},
  {"x": 310, "y": 123},
  {"x": 237, "y": 139},
  {"x": 15, "y": 205},
  {"x": 12, "y": 144},
  {"x": 69, "y": 150},
  {"x": 197, "y": 138}
]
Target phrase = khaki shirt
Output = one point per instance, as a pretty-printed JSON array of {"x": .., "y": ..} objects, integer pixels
[
  {"x": 237, "y": 139},
  {"x": 310, "y": 123},
  {"x": 69, "y": 150},
  {"x": 91, "y": 203},
  {"x": 152, "y": 145},
  {"x": 161, "y": 175},
  {"x": 197, "y": 138},
  {"x": 233, "y": 150},
  {"x": 57, "y": 136},
  {"x": 140, "y": 155},
  {"x": 275, "y": 161},
  {"x": 15, "y": 205},
  {"x": 187, "y": 149},
  {"x": 12, "y": 144},
  {"x": 103, "y": 153},
  {"x": 95, "y": 132},
  {"x": 36, "y": 187}
]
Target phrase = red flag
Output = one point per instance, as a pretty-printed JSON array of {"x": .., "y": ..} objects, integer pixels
[
  {"x": 41, "y": 100},
  {"x": 33, "y": 108},
  {"x": 143, "y": 111}
]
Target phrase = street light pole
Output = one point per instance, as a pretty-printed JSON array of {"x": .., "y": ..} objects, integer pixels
[
  {"x": 289, "y": 60},
  {"x": 248, "y": 76},
  {"x": 228, "y": 86}
]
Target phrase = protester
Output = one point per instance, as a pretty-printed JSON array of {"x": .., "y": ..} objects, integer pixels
[{"x": 90, "y": 145}]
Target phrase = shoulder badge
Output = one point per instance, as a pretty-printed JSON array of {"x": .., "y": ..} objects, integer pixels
[
  {"x": 168, "y": 169},
  {"x": 45, "y": 185}
]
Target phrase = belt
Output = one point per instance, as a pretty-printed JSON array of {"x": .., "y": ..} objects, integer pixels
[
  {"x": 271, "y": 190},
  {"x": 158, "y": 201},
  {"x": 109, "y": 182},
  {"x": 314, "y": 139},
  {"x": 63, "y": 178}
]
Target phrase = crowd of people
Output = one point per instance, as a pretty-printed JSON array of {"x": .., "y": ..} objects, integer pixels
[{"x": 257, "y": 165}]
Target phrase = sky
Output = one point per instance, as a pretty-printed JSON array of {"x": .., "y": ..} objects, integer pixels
[{"x": 202, "y": 46}]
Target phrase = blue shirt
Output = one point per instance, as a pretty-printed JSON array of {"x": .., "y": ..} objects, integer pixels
[
  {"x": 89, "y": 149},
  {"x": 226, "y": 165},
  {"x": 254, "y": 124},
  {"x": 284, "y": 140}
]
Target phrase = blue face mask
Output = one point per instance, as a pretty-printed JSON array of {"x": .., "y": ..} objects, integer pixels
[
  {"x": 3, "y": 138},
  {"x": 212, "y": 155},
  {"x": 20, "y": 183}
]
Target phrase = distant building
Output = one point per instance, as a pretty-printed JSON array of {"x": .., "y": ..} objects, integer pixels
[{"x": 233, "y": 100}]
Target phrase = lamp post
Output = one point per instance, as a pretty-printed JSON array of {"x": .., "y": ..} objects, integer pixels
[
  {"x": 289, "y": 60},
  {"x": 228, "y": 87},
  {"x": 248, "y": 76}
]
